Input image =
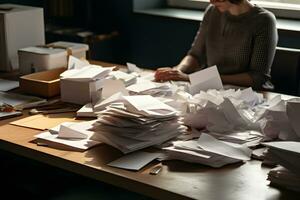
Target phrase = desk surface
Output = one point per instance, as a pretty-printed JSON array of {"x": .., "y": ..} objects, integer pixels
[{"x": 177, "y": 180}]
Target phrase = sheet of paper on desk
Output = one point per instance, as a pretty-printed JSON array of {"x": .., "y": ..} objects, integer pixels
[
  {"x": 43, "y": 122},
  {"x": 86, "y": 111},
  {"x": 76, "y": 130},
  {"x": 6, "y": 85},
  {"x": 190, "y": 152},
  {"x": 18, "y": 100},
  {"x": 236, "y": 151},
  {"x": 111, "y": 87},
  {"x": 75, "y": 63},
  {"x": 133, "y": 68},
  {"x": 80, "y": 144},
  {"x": 100, "y": 105},
  {"x": 149, "y": 105},
  {"x": 205, "y": 79},
  {"x": 4, "y": 115},
  {"x": 134, "y": 161}
]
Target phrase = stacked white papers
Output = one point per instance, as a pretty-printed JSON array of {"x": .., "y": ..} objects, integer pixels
[
  {"x": 146, "y": 87},
  {"x": 136, "y": 123},
  {"x": 287, "y": 155},
  {"x": 87, "y": 73},
  {"x": 208, "y": 151},
  {"x": 71, "y": 134}
]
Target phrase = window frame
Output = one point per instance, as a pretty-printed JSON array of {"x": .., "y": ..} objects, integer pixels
[{"x": 282, "y": 12}]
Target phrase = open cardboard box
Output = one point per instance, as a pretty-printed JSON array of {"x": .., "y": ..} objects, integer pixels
[{"x": 44, "y": 84}]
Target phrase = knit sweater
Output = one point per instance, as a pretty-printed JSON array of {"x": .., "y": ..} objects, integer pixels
[{"x": 237, "y": 44}]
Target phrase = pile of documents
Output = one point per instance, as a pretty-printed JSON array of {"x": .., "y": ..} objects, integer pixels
[
  {"x": 137, "y": 122},
  {"x": 282, "y": 119},
  {"x": 207, "y": 150},
  {"x": 287, "y": 155},
  {"x": 228, "y": 115}
]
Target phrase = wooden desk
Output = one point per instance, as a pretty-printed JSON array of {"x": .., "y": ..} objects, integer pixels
[{"x": 177, "y": 180}]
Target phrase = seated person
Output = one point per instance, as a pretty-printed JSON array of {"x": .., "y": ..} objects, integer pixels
[{"x": 237, "y": 36}]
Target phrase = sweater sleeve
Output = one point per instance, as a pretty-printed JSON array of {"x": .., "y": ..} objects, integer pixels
[
  {"x": 198, "y": 49},
  {"x": 264, "y": 46}
]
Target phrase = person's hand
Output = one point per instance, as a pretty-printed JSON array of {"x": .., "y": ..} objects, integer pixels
[{"x": 170, "y": 74}]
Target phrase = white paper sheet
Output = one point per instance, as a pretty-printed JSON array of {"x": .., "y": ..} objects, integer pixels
[
  {"x": 110, "y": 87},
  {"x": 133, "y": 68},
  {"x": 75, "y": 63},
  {"x": 149, "y": 105},
  {"x": 75, "y": 130},
  {"x": 6, "y": 85},
  {"x": 209, "y": 143},
  {"x": 205, "y": 79},
  {"x": 86, "y": 111},
  {"x": 134, "y": 161},
  {"x": 81, "y": 144}
]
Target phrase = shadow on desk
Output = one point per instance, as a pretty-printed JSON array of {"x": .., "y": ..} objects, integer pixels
[{"x": 28, "y": 179}]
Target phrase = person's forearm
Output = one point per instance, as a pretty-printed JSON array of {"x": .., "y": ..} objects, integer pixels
[
  {"x": 243, "y": 79},
  {"x": 188, "y": 64}
]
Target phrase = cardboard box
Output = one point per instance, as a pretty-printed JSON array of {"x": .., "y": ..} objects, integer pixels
[
  {"x": 44, "y": 84},
  {"x": 79, "y": 92},
  {"x": 50, "y": 56},
  {"x": 20, "y": 26}
]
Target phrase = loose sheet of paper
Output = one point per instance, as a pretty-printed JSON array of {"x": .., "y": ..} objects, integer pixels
[
  {"x": 134, "y": 161},
  {"x": 209, "y": 143},
  {"x": 205, "y": 79},
  {"x": 81, "y": 144},
  {"x": 6, "y": 85}
]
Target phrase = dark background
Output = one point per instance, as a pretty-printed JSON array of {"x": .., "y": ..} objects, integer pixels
[{"x": 146, "y": 40}]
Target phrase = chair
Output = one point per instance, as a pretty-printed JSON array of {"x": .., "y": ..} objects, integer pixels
[{"x": 285, "y": 71}]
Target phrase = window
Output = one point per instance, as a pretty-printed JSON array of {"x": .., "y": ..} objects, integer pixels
[{"x": 281, "y": 8}]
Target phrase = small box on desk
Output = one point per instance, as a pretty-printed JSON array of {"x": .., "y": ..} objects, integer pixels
[
  {"x": 79, "y": 92},
  {"x": 50, "y": 56},
  {"x": 43, "y": 84}
]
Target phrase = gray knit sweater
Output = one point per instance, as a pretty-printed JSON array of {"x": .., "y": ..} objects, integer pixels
[{"x": 237, "y": 44}]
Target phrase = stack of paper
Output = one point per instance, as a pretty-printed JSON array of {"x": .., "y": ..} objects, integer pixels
[
  {"x": 136, "y": 123},
  {"x": 286, "y": 154},
  {"x": 208, "y": 151},
  {"x": 87, "y": 73},
  {"x": 146, "y": 87}
]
